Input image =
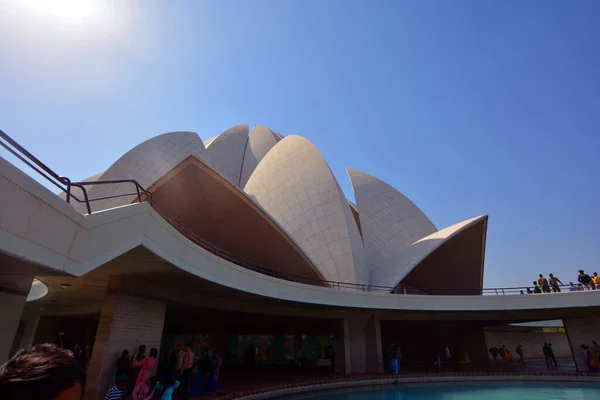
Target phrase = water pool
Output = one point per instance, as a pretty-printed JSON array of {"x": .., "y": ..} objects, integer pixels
[{"x": 463, "y": 391}]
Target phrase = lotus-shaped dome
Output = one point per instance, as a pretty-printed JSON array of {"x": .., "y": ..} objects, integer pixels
[{"x": 273, "y": 200}]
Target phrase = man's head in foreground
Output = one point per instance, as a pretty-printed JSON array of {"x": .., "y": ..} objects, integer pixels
[{"x": 43, "y": 372}]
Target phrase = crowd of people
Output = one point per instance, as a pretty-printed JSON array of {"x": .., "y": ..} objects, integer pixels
[
  {"x": 553, "y": 283},
  {"x": 179, "y": 374},
  {"x": 394, "y": 358},
  {"x": 49, "y": 371}
]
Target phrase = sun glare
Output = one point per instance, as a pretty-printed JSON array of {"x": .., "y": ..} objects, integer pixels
[{"x": 72, "y": 9}]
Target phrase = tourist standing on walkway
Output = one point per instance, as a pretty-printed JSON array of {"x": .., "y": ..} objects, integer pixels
[
  {"x": 536, "y": 288},
  {"x": 214, "y": 375},
  {"x": 135, "y": 370},
  {"x": 200, "y": 385},
  {"x": 584, "y": 355},
  {"x": 146, "y": 365},
  {"x": 520, "y": 353},
  {"x": 448, "y": 355},
  {"x": 42, "y": 372},
  {"x": 169, "y": 365},
  {"x": 585, "y": 280},
  {"x": 187, "y": 364},
  {"x": 554, "y": 282},
  {"x": 596, "y": 280},
  {"x": 395, "y": 361},
  {"x": 547, "y": 355},
  {"x": 543, "y": 282},
  {"x": 123, "y": 368}
]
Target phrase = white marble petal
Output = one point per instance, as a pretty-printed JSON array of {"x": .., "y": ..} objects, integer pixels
[
  {"x": 404, "y": 261},
  {"x": 260, "y": 141},
  {"x": 226, "y": 152},
  {"x": 294, "y": 184},
  {"x": 390, "y": 222}
]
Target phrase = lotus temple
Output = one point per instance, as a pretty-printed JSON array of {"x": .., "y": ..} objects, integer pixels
[{"x": 247, "y": 239}]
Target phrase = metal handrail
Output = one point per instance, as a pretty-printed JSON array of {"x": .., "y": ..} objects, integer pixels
[{"x": 143, "y": 195}]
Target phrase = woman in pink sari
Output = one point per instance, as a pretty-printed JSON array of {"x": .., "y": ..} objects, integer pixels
[
  {"x": 144, "y": 390},
  {"x": 146, "y": 364}
]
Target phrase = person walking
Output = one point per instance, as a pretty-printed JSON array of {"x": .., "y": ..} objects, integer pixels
[
  {"x": 554, "y": 283},
  {"x": 520, "y": 353},
  {"x": 448, "y": 355},
  {"x": 395, "y": 361},
  {"x": 543, "y": 282},
  {"x": 585, "y": 280},
  {"x": 552, "y": 355}
]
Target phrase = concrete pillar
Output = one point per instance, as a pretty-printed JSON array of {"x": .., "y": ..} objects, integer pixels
[
  {"x": 31, "y": 322},
  {"x": 362, "y": 349},
  {"x": 126, "y": 321},
  {"x": 581, "y": 331},
  {"x": 15, "y": 284}
]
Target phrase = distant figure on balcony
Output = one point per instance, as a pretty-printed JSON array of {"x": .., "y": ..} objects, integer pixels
[
  {"x": 543, "y": 282},
  {"x": 554, "y": 282},
  {"x": 596, "y": 280},
  {"x": 395, "y": 361},
  {"x": 552, "y": 355},
  {"x": 494, "y": 353},
  {"x": 536, "y": 288},
  {"x": 572, "y": 287},
  {"x": 529, "y": 291},
  {"x": 585, "y": 280}
]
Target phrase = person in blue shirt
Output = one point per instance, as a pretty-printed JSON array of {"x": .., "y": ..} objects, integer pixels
[{"x": 168, "y": 393}]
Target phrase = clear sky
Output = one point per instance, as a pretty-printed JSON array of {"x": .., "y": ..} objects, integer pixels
[{"x": 467, "y": 107}]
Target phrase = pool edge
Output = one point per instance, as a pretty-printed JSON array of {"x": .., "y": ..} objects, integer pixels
[{"x": 288, "y": 391}]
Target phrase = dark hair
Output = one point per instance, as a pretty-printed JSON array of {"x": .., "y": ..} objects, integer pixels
[
  {"x": 189, "y": 345},
  {"x": 125, "y": 354},
  {"x": 41, "y": 372},
  {"x": 541, "y": 275},
  {"x": 142, "y": 348},
  {"x": 153, "y": 352}
]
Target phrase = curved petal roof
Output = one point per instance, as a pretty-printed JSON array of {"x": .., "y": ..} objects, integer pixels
[
  {"x": 389, "y": 221},
  {"x": 294, "y": 184},
  {"x": 260, "y": 141},
  {"x": 145, "y": 163},
  {"x": 226, "y": 152},
  {"x": 403, "y": 262}
]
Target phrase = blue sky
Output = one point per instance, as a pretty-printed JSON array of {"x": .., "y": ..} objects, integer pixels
[{"x": 467, "y": 107}]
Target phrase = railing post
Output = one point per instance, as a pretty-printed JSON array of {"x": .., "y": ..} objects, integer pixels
[{"x": 137, "y": 187}]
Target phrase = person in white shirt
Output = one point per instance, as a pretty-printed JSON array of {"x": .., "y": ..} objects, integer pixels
[{"x": 448, "y": 355}]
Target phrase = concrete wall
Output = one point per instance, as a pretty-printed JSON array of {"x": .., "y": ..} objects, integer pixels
[
  {"x": 532, "y": 342},
  {"x": 125, "y": 323},
  {"x": 581, "y": 331}
]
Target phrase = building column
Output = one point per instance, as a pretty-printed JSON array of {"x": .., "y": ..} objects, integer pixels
[
  {"x": 126, "y": 322},
  {"x": 581, "y": 331},
  {"x": 31, "y": 322},
  {"x": 15, "y": 284},
  {"x": 358, "y": 349}
]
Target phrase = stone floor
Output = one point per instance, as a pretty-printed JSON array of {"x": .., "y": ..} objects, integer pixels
[{"x": 235, "y": 382}]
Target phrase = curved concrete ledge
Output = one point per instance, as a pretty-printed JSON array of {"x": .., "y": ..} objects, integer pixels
[
  {"x": 282, "y": 391},
  {"x": 38, "y": 226}
]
